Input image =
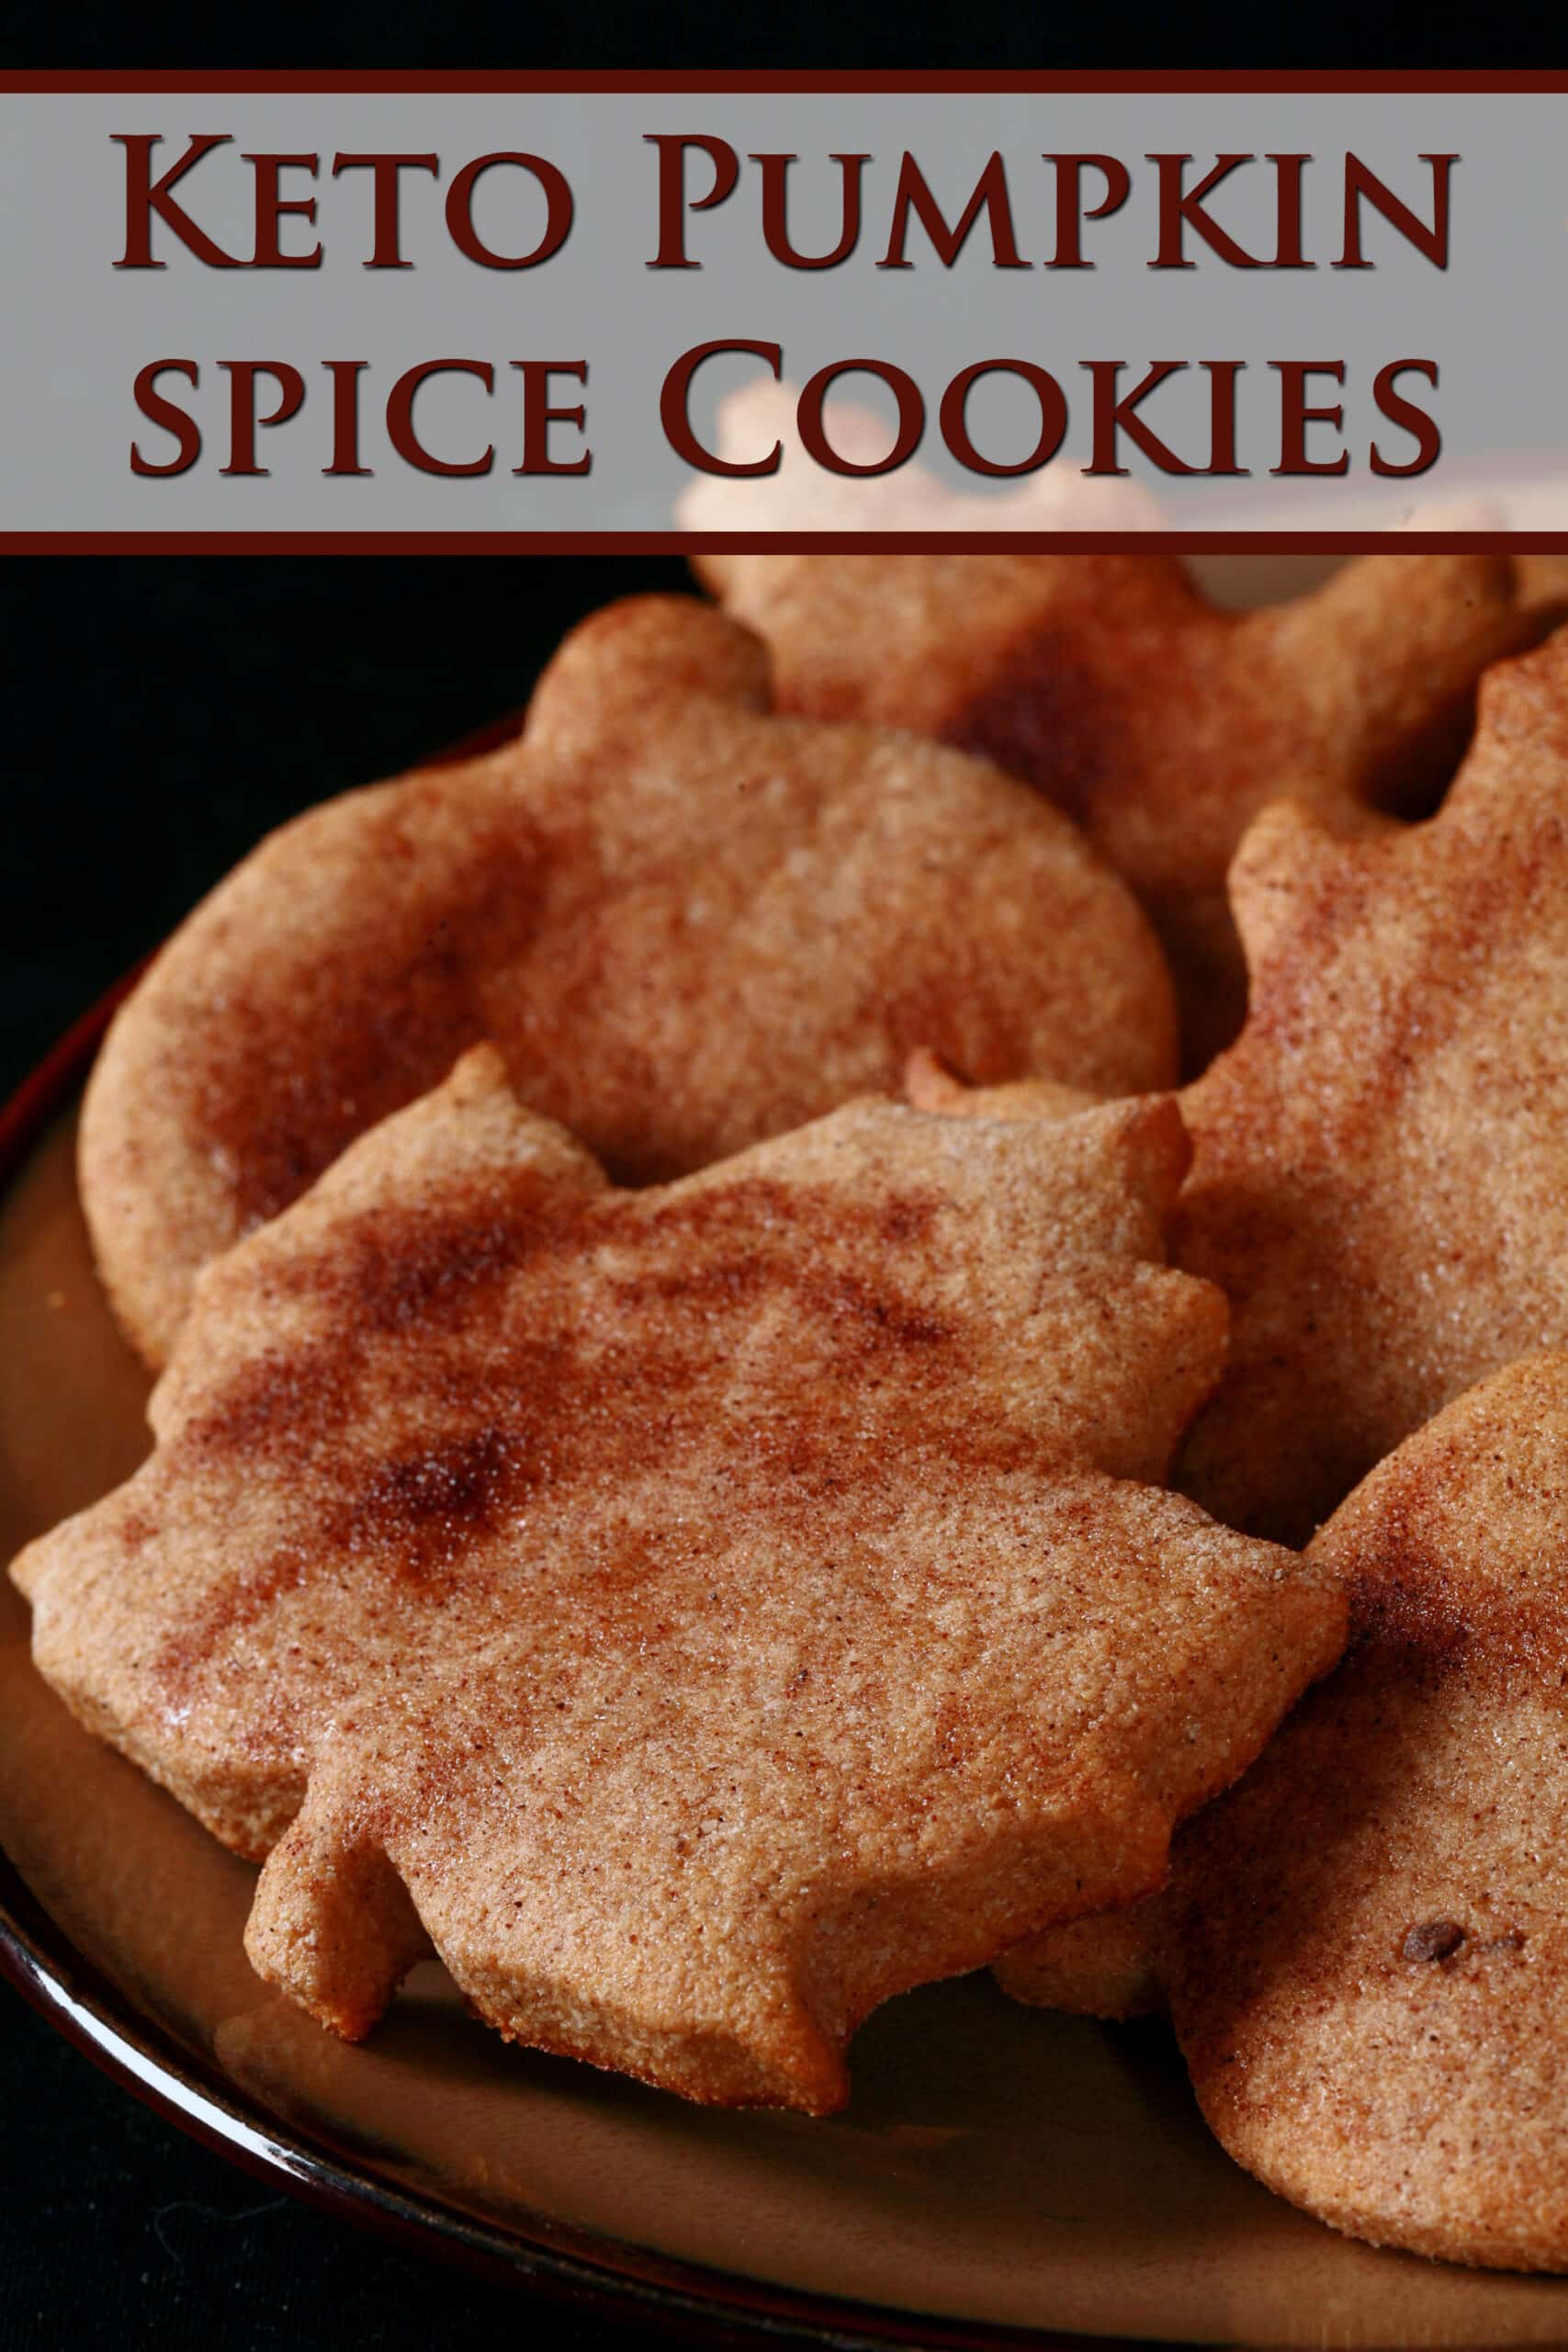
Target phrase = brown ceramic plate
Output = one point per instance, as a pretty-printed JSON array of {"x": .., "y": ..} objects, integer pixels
[{"x": 999, "y": 2170}]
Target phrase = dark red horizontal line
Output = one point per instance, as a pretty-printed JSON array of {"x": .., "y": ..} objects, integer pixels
[
  {"x": 711, "y": 84},
  {"x": 1258, "y": 542}
]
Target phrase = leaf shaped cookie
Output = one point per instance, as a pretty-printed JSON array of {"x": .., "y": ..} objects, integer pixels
[
  {"x": 1161, "y": 723},
  {"x": 1380, "y": 1170},
  {"x": 703, "y": 1612},
  {"x": 686, "y": 923},
  {"x": 1370, "y": 1983}
]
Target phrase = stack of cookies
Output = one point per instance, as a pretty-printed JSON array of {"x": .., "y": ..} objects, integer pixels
[{"x": 794, "y": 1312}]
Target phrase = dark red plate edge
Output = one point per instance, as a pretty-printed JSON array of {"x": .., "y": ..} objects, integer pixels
[{"x": 611, "y": 2278}]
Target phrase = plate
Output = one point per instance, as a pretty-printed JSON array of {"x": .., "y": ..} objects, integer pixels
[{"x": 999, "y": 2169}]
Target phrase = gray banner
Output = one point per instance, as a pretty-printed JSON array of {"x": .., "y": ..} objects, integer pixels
[{"x": 80, "y": 330}]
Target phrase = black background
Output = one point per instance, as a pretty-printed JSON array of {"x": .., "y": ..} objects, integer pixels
[
  {"x": 160, "y": 715},
  {"x": 1009, "y": 36}
]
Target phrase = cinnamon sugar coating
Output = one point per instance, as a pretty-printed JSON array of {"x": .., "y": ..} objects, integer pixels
[
  {"x": 1370, "y": 1983},
  {"x": 1380, "y": 1169},
  {"x": 1112, "y": 1965},
  {"x": 686, "y": 923},
  {"x": 700, "y": 1611},
  {"x": 1160, "y": 723},
  {"x": 1381, "y": 1174}
]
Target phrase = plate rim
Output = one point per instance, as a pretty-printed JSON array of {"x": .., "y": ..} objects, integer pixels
[{"x": 611, "y": 2278}]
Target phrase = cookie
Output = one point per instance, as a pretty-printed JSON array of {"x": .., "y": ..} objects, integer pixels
[
  {"x": 929, "y": 1085},
  {"x": 1379, "y": 1173},
  {"x": 1112, "y": 1965},
  {"x": 1158, "y": 722},
  {"x": 1370, "y": 1984},
  {"x": 686, "y": 923},
  {"x": 701, "y": 1612}
]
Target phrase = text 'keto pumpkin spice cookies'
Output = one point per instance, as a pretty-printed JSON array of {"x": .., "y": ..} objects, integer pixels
[
  {"x": 1378, "y": 1181},
  {"x": 704, "y": 1610},
  {"x": 686, "y": 923},
  {"x": 1161, "y": 723},
  {"x": 1370, "y": 1983}
]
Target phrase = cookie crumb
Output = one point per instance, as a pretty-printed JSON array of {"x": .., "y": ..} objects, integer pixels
[{"x": 1436, "y": 1939}]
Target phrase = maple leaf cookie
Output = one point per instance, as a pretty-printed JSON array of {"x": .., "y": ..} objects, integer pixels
[
  {"x": 700, "y": 1611},
  {"x": 1379, "y": 1180}
]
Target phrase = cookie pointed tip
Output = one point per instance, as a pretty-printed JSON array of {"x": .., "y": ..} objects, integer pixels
[
  {"x": 1155, "y": 1134},
  {"x": 478, "y": 1074},
  {"x": 333, "y": 1925}
]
